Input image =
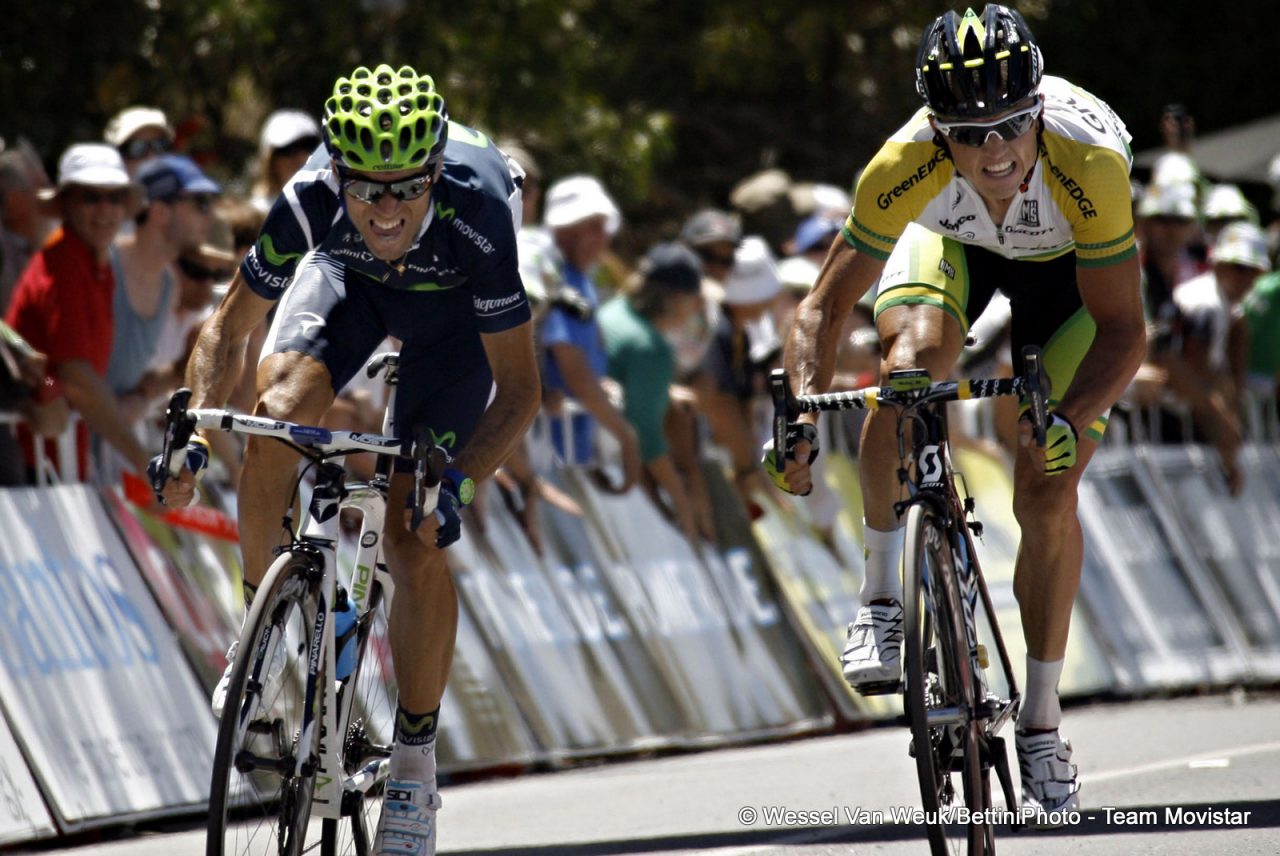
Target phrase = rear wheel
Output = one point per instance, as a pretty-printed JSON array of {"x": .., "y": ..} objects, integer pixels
[
  {"x": 264, "y": 769},
  {"x": 938, "y": 673}
]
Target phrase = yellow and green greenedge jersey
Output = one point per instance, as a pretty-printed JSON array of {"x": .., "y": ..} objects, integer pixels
[{"x": 1077, "y": 197}]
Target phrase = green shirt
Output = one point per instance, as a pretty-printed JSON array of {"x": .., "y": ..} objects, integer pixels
[
  {"x": 1262, "y": 312},
  {"x": 641, "y": 361}
]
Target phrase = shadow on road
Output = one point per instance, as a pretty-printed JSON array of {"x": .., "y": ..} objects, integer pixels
[{"x": 1119, "y": 820}]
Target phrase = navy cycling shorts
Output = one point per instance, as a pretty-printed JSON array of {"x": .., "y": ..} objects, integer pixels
[{"x": 339, "y": 317}]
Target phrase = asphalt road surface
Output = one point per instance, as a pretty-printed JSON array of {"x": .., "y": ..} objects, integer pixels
[{"x": 1182, "y": 776}]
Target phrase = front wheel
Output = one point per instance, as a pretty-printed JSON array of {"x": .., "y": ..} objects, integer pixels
[
  {"x": 263, "y": 771},
  {"x": 946, "y": 738}
]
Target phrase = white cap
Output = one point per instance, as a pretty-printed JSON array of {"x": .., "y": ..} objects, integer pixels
[
  {"x": 1273, "y": 176},
  {"x": 577, "y": 197},
  {"x": 1226, "y": 201},
  {"x": 798, "y": 273},
  {"x": 1169, "y": 200},
  {"x": 1174, "y": 168},
  {"x": 131, "y": 120},
  {"x": 90, "y": 165},
  {"x": 285, "y": 127},
  {"x": 1243, "y": 244},
  {"x": 754, "y": 278}
]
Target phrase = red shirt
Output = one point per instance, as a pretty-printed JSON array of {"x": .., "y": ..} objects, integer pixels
[{"x": 62, "y": 306}]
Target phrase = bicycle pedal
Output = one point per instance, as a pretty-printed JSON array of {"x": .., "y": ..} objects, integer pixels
[{"x": 877, "y": 688}]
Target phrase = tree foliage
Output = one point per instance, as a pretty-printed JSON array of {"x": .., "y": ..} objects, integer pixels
[{"x": 670, "y": 102}]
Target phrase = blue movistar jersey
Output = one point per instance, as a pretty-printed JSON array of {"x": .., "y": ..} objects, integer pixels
[{"x": 466, "y": 249}]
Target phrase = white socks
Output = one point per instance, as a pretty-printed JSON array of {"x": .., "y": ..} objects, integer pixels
[
  {"x": 415, "y": 763},
  {"x": 882, "y": 579},
  {"x": 1040, "y": 707}
]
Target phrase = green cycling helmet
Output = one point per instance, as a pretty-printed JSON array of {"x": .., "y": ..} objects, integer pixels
[{"x": 385, "y": 120}]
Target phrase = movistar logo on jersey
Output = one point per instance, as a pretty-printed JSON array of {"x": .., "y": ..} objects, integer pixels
[
  {"x": 468, "y": 231},
  {"x": 268, "y": 249},
  {"x": 447, "y": 439},
  {"x": 445, "y": 213}
]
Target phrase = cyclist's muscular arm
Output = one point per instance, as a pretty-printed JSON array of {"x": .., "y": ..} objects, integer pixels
[
  {"x": 1112, "y": 296},
  {"x": 218, "y": 356},
  {"x": 515, "y": 402},
  {"x": 810, "y": 355}
]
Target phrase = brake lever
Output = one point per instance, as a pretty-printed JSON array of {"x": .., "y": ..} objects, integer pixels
[
  {"x": 429, "y": 463},
  {"x": 784, "y": 410},
  {"x": 179, "y": 425},
  {"x": 1038, "y": 386}
]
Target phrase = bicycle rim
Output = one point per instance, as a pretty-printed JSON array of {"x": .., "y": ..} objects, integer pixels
[
  {"x": 258, "y": 804},
  {"x": 938, "y": 681},
  {"x": 370, "y": 691}
]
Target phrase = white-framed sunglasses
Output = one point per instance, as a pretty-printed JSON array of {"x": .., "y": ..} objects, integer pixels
[{"x": 976, "y": 134}]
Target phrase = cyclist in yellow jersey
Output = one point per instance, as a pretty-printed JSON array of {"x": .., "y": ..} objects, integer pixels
[{"x": 1010, "y": 180}]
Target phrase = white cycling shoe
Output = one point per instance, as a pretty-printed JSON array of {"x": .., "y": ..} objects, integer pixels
[
  {"x": 1050, "y": 788},
  {"x": 873, "y": 654},
  {"x": 407, "y": 826},
  {"x": 219, "y": 699}
]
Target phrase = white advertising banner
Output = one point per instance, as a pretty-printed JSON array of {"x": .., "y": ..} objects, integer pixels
[
  {"x": 22, "y": 812},
  {"x": 93, "y": 684}
]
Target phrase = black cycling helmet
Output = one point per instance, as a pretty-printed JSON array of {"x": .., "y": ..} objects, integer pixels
[{"x": 975, "y": 66}]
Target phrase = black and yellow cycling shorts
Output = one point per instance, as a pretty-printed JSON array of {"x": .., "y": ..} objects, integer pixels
[{"x": 932, "y": 270}]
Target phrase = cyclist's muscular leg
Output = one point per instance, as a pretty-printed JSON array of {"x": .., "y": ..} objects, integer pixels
[
  {"x": 424, "y": 613},
  {"x": 293, "y": 387},
  {"x": 913, "y": 336},
  {"x": 1047, "y": 573}
]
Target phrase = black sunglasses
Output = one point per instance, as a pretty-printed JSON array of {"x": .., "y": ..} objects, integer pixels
[
  {"x": 198, "y": 272},
  {"x": 304, "y": 146},
  {"x": 135, "y": 149},
  {"x": 203, "y": 202},
  {"x": 368, "y": 191},
  {"x": 713, "y": 258},
  {"x": 85, "y": 196}
]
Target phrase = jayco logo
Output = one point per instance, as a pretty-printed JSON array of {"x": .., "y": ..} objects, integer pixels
[{"x": 955, "y": 225}]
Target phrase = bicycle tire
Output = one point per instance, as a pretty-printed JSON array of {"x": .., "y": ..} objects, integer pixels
[
  {"x": 938, "y": 675},
  {"x": 370, "y": 691},
  {"x": 264, "y": 810}
]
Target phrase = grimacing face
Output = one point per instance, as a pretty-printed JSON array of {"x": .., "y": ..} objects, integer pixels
[
  {"x": 390, "y": 225},
  {"x": 997, "y": 167}
]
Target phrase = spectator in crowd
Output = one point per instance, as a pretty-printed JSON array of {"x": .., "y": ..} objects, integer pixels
[
  {"x": 1166, "y": 226},
  {"x": 582, "y": 219},
  {"x": 662, "y": 300},
  {"x": 27, "y": 390},
  {"x": 1225, "y": 204},
  {"x": 714, "y": 235},
  {"x": 1210, "y": 375},
  {"x": 245, "y": 222},
  {"x": 178, "y": 216},
  {"x": 22, "y": 228},
  {"x": 1262, "y": 315},
  {"x": 744, "y": 343},
  {"x": 288, "y": 138},
  {"x": 139, "y": 134},
  {"x": 799, "y": 271},
  {"x": 63, "y": 301}
]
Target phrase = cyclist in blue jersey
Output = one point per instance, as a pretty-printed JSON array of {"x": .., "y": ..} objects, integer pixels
[{"x": 407, "y": 231}]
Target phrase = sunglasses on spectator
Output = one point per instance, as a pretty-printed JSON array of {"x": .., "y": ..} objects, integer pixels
[
  {"x": 406, "y": 189},
  {"x": 976, "y": 134},
  {"x": 87, "y": 196},
  {"x": 713, "y": 258},
  {"x": 198, "y": 272},
  {"x": 304, "y": 146},
  {"x": 135, "y": 149},
  {"x": 203, "y": 202}
]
